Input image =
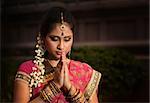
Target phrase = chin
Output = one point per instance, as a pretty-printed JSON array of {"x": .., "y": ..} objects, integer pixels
[{"x": 57, "y": 57}]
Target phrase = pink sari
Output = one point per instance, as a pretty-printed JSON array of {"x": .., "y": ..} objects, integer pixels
[{"x": 81, "y": 75}]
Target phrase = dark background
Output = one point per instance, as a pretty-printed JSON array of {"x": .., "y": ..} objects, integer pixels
[{"x": 120, "y": 24}]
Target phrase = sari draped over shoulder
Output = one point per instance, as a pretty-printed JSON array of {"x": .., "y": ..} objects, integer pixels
[{"x": 81, "y": 75}]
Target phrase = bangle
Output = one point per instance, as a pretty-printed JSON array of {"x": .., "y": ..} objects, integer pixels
[
  {"x": 69, "y": 94},
  {"x": 49, "y": 92},
  {"x": 53, "y": 89},
  {"x": 78, "y": 97},
  {"x": 56, "y": 88},
  {"x": 78, "y": 92},
  {"x": 44, "y": 96}
]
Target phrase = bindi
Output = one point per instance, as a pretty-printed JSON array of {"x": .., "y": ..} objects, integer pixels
[{"x": 62, "y": 34}]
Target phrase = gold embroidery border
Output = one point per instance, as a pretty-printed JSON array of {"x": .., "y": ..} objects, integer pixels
[
  {"x": 23, "y": 77},
  {"x": 92, "y": 85}
]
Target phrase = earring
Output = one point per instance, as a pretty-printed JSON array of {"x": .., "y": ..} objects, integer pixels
[
  {"x": 69, "y": 54},
  {"x": 40, "y": 44},
  {"x": 37, "y": 74}
]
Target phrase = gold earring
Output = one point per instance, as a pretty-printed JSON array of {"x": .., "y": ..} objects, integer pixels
[{"x": 69, "y": 54}]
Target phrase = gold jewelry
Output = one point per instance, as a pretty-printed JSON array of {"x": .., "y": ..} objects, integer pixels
[
  {"x": 77, "y": 97},
  {"x": 62, "y": 26},
  {"x": 56, "y": 88},
  {"x": 69, "y": 54},
  {"x": 43, "y": 96},
  {"x": 62, "y": 22},
  {"x": 22, "y": 76},
  {"x": 49, "y": 92}
]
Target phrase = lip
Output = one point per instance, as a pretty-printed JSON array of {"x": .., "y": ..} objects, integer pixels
[{"x": 58, "y": 53}]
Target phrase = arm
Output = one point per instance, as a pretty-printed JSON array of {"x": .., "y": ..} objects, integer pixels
[{"x": 21, "y": 93}]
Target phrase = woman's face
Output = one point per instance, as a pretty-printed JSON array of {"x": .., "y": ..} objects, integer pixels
[{"x": 55, "y": 42}]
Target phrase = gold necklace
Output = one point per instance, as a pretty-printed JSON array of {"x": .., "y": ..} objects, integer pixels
[{"x": 49, "y": 71}]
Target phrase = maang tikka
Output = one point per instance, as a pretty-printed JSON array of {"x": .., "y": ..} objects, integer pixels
[{"x": 62, "y": 26}]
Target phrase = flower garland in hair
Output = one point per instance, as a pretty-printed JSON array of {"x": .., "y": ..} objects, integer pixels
[{"x": 37, "y": 74}]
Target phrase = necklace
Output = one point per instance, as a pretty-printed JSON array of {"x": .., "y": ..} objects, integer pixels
[{"x": 49, "y": 71}]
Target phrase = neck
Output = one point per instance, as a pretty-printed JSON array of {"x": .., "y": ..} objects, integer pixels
[{"x": 53, "y": 62}]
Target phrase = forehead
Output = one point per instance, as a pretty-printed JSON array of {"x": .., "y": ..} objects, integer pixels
[{"x": 58, "y": 31}]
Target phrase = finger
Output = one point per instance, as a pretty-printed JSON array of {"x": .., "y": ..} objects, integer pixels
[
  {"x": 62, "y": 66},
  {"x": 62, "y": 72},
  {"x": 63, "y": 56},
  {"x": 66, "y": 70},
  {"x": 59, "y": 65}
]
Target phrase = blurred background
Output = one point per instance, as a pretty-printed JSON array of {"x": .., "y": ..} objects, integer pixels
[{"x": 111, "y": 35}]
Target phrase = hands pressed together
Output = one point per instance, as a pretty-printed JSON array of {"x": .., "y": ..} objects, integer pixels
[
  {"x": 61, "y": 83},
  {"x": 61, "y": 77}
]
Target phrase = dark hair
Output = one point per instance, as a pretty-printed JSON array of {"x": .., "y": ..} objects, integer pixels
[{"x": 53, "y": 17}]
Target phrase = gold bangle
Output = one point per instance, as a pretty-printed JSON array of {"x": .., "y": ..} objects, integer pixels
[
  {"x": 44, "y": 96},
  {"x": 49, "y": 93},
  {"x": 53, "y": 89},
  {"x": 55, "y": 86},
  {"x": 78, "y": 92},
  {"x": 78, "y": 98},
  {"x": 69, "y": 94}
]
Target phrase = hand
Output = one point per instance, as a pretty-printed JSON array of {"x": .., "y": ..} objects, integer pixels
[
  {"x": 59, "y": 75},
  {"x": 66, "y": 82}
]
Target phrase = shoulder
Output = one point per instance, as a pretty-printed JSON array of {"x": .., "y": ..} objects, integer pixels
[
  {"x": 84, "y": 74},
  {"x": 26, "y": 66},
  {"x": 85, "y": 67},
  {"x": 81, "y": 69},
  {"x": 79, "y": 64}
]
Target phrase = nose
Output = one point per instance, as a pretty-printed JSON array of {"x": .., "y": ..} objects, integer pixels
[{"x": 60, "y": 45}]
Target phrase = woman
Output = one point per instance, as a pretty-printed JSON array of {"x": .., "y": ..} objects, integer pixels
[{"x": 52, "y": 77}]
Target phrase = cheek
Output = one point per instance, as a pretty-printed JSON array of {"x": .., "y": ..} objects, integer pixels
[
  {"x": 68, "y": 47},
  {"x": 50, "y": 45}
]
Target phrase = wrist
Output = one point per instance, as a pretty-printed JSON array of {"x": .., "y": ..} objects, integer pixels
[
  {"x": 57, "y": 85},
  {"x": 71, "y": 90},
  {"x": 49, "y": 92},
  {"x": 75, "y": 96},
  {"x": 68, "y": 87}
]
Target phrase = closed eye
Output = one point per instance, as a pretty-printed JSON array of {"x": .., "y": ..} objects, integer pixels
[
  {"x": 54, "y": 38},
  {"x": 67, "y": 39}
]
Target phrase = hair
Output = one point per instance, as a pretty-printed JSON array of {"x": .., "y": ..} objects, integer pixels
[{"x": 54, "y": 16}]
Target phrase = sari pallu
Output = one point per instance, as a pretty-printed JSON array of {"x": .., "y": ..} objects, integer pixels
[{"x": 81, "y": 75}]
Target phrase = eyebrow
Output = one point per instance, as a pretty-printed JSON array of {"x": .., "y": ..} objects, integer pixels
[
  {"x": 67, "y": 36},
  {"x": 60, "y": 36}
]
